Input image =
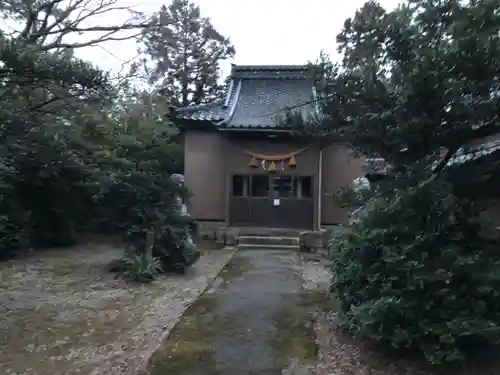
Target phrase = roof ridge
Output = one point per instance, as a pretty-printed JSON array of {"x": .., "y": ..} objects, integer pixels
[
  {"x": 298, "y": 67},
  {"x": 229, "y": 116},
  {"x": 293, "y": 72}
]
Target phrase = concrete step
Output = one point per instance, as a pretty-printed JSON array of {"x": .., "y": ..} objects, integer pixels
[
  {"x": 264, "y": 232},
  {"x": 268, "y": 247},
  {"x": 268, "y": 240}
]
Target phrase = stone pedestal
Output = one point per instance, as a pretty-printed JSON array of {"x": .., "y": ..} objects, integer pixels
[{"x": 314, "y": 241}]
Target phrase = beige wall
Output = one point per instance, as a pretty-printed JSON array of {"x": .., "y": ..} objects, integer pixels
[
  {"x": 307, "y": 161},
  {"x": 340, "y": 168},
  {"x": 205, "y": 174}
]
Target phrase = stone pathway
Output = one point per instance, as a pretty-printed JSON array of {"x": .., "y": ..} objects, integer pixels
[{"x": 255, "y": 320}]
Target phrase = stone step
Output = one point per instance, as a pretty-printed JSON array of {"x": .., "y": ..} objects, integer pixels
[
  {"x": 267, "y": 232},
  {"x": 268, "y": 247},
  {"x": 268, "y": 240}
]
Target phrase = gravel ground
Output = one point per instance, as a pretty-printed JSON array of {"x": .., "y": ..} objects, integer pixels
[
  {"x": 63, "y": 313},
  {"x": 315, "y": 272}
]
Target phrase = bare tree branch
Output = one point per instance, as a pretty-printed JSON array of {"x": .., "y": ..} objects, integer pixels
[
  {"x": 50, "y": 23},
  {"x": 93, "y": 42}
]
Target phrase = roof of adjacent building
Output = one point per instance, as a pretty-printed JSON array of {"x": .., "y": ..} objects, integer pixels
[
  {"x": 257, "y": 96},
  {"x": 479, "y": 148}
]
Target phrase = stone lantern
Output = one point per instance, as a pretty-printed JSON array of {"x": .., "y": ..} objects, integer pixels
[{"x": 179, "y": 180}]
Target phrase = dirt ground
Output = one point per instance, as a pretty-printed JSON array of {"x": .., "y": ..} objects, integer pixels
[{"x": 61, "y": 312}]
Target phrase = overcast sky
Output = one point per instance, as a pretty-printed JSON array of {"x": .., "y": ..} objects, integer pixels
[{"x": 263, "y": 31}]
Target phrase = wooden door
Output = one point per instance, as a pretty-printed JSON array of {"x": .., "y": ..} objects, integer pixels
[
  {"x": 292, "y": 201},
  {"x": 272, "y": 201}
]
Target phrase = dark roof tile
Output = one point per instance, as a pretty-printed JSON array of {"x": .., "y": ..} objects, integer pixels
[
  {"x": 261, "y": 101},
  {"x": 259, "y": 94},
  {"x": 213, "y": 111}
]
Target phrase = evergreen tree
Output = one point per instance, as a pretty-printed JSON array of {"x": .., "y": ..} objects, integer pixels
[
  {"x": 185, "y": 50},
  {"x": 415, "y": 270},
  {"x": 416, "y": 79}
]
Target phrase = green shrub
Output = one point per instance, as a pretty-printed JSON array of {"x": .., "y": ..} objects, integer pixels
[
  {"x": 71, "y": 170},
  {"x": 14, "y": 233},
  {"x": 15, "y": 221},
  {"x": 174, "y": 248},
  {"x": 171, "y": 244},
  {"x": 142, "y": 268},
  {"x": 415, "y": 272}
]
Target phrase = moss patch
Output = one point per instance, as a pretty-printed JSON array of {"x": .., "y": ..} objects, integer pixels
[
  {"x": 189, "y": 346},
  {"x": 294, "y": 335},
  {"x": 236, "y": 268}
]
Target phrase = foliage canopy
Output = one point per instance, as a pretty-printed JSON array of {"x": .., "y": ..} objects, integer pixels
[
  {"x": 79, "y": 155},
  {"x": 416, "y": 270}
]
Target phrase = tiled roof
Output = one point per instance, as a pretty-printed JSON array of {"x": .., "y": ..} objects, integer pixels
[
  {"x": 258, "y": 94},
  {"x": 481, "y": 148},
  {"x": 213, "y": 111},
  {"x": 260, "y": 101},
  {"x": 468, "y": 154}
]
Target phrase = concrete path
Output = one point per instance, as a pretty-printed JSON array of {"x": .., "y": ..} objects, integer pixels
[{"x": 254, "y": 320}]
